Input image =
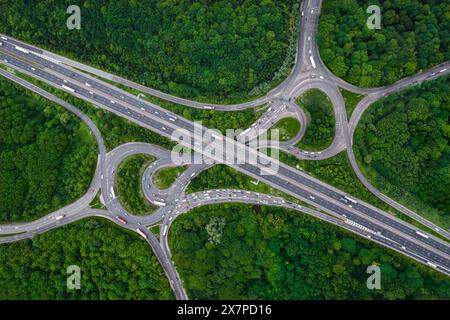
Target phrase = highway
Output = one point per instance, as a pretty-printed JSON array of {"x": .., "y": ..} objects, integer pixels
[
  {"x": 309, "y": 72},
  {"x": 289, "y": 180}
]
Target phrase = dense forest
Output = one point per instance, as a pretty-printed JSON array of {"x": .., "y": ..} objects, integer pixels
[
  {"x": 402, "y": 143},
  {"x": 414, "y": 35},
  {"x": 114, "y": 264},
  {"x": 320, "y": 131},
  {"x": 129, "y": 184},
  {"x": 47, "y": 155},
  {"x": 211, "y": 49},
  {"x": 252, "y": 252}
]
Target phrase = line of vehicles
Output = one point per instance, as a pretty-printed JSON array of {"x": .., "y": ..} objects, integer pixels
[
  {"x": 138, "y": 230},
  {"x": 440, "y": 71}
]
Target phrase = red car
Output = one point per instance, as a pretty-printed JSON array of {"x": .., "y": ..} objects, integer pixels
[{"x": 122, "y": 221}]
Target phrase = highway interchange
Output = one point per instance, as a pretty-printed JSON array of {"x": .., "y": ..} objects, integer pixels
[{"x": 358, "y": 217}]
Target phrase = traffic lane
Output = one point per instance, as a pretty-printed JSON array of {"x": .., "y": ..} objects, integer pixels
[
  {"x": 95, "y": 84},
  {"x": 385, "y": 218},
  {"x": 162, "y": 95},
  {"x": 341, "y": 211},
  {"x": 161, "y": 128},
  {"x": 113, "y": 105}
]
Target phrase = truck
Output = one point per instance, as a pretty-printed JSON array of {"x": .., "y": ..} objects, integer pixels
[
  {"x": 141, "y": 233},
  {"x": 59, "y": 217},
  {"x": 422, "y": 234},
  {"x": 350, "y": 199},
  {"x": 68, "y": 88},
  {"x": 113, "y": 195},
  {"x": 312, "y": 61},
  {"x": 165, "y": 231},
  {"x": 159, "y": 203},
  {"x": 217, "y": 137},
  {"x": 22, "y": 49}
]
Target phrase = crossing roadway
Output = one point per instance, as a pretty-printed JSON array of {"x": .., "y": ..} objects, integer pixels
[{"x": 385, "y": 228}]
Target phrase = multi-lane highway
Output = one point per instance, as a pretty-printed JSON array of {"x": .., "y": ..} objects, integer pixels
[
  {"x": 309, "y": 72},
  {"x": 403, "y": 237}
]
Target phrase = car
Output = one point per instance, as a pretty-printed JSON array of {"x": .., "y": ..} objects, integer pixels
[{"x": 121, "y": 220}]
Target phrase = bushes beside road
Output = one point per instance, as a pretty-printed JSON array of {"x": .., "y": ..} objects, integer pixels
[
  {"x": 47, "y": 155},
  {"x": 236, "y": 251},
  {"x": 114, "y": 264}
]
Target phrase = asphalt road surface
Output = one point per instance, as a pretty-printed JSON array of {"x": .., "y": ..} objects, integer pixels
[{"x": 309, "y": 72}]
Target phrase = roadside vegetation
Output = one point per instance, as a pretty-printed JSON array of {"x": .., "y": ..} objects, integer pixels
[
  {"x": 129, "y": 186},
  {"x": 413, "y": 36},
  {"x": 96, "y": 203},
  {"x": 47, "y": 155},
  {"x": 165, "y": 177},
  {"x": 115, "y": 130},
  {"x": 337, "y": 172},
  {"x": 320, "y": 131},
  {"x": 114, "y": 263},
  {"x": 351, "y": 101},
  {"x": 186, "y": 51},
  {"x": 402, "y": 146},
  {"x": 213, "y": 119},
  {"x": 223, "y": 177},
  {"x": 288, "y": 129},
  {"x": 274, "y": 253}
]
